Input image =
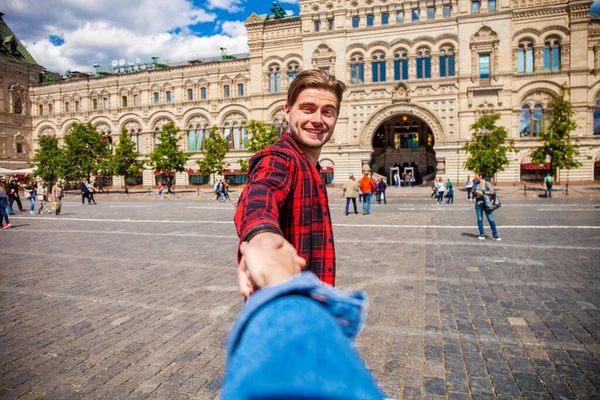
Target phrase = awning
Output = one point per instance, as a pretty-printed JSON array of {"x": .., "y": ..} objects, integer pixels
[
  {"x": 195, "y": 172},
  {"x": 167, "y": 173},
  {"x": 234, "y": 172},
  {"x": 326, "y": 169},
  {"x": 597, "y": 163},
  {"x": 530, "y": 166}
]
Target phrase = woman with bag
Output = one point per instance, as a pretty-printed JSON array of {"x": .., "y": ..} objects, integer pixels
[
  {"x": 57, "y": 195},
  {"x": 30, "y": 193},
  {"x": 91, "y": 190},
  {"x": 42, "y": 195}
]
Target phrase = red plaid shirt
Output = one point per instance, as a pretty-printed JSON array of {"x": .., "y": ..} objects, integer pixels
[{"x": 285, "y": 195}]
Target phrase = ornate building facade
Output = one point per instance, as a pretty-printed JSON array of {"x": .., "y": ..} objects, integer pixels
[
  {"x": 17, "y": 71},
  {"x": 418, "y": 73}
]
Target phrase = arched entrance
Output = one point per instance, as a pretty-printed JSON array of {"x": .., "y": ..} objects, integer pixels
[{"x": 403, "y": 136}]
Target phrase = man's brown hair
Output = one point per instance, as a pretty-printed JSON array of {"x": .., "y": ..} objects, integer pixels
[{"x": 315, "y": 79}]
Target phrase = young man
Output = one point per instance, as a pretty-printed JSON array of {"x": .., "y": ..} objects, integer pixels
[
  {"x": 85, "y": 191},
  {"x": 367, "y": 186},
  {"x": 548, "y": 185},
  {"x": 285, "y": 201},
  {"x": 484, "y": 188}
]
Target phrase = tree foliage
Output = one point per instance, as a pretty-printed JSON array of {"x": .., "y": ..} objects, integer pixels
[
  {"x": 556, "y": 141},
  {"x": 488, "y": 148},
  {"x": 261, "y": 135},
  {"x": 49, "y": 159},
  {"x": 123, "y": 161},
  {"x": 166, "y": 156},
  {"x": 215, "y": 149},
  {"x": 86, "y": 152}
]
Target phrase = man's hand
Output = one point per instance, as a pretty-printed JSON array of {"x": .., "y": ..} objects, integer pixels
[{"x": 267, "y": 241}]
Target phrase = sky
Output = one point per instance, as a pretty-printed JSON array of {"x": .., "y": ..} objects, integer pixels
[{"x": 76, "y": 34}]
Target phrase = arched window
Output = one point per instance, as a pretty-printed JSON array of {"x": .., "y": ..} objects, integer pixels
[
  {"x": 191, "y": 138},
  {"x": 237, "y": 136},
  {"x": 293, "y": 71},
  {"x": 244, "y": 135},
  {"x": 274, "y": 79},
  {"x": 525, "y": 57},
  {"x": 552, "y": 56},
  {"x": 533, "y": 121},
  {"x": 399, "y": 17},
  {"x": 18, "y": 106},
  {"x": 227, "y": 133},
  {"x": 446, "y": 62},
  {"x": 378, "y": 68},
  {"x": 423, "y": 64},
  {"x": 41, "y": 109},
  {"x": 401, "y": 66},
  {"x": 597, "y": 118},
  {"x": 67, "y": 107},
  {"x": 357, "y": 69}
]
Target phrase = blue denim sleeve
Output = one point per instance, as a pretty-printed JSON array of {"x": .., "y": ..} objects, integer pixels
[{"x": 295, "y": 341}]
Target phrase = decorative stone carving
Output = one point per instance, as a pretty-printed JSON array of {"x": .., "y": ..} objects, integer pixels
[
  {"x": 159, "y": 124},
  {"x": 103, "y": 128},
  {"x": 132, "y": 127}
]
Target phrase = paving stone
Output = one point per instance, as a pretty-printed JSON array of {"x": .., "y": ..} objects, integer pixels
[{"x": 146, "y": 308}]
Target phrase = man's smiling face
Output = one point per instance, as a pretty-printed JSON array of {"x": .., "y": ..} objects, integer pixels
[{"x": 312, "y": 118}]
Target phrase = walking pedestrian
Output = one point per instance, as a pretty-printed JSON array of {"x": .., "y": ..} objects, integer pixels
[
  {"x": 548, "y": 184},
  {"x": 226, "y": 190},
  {"x": 440, "y": 188},
  {"x": 3, "y": 204},
  {"x": 484, "y": 188},
  {"x": 350, "y": 191},
  {"x": 85, "y": 191},
  {"x": 169, "y": 185},
  {"x": 160, "y": 190},
  {"x": 91, "y": 191},
  {"x": 396, "y": 180},
  {"x": 450, "y": 194},
  {"x": 42, "y": 195},
  {"x": 13, "y": 194},
  {"x": 412, "y": 179},
  {"x": 368, "y": 187},
  {"x": 381, "y": 186},
  {"x": 469, "y": 187},
  {"x": 30, "y": 192},
  {"x": 57, "y": 195},
  {"x": 285, "y": 203}
]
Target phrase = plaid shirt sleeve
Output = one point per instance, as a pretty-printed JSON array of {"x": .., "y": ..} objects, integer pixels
[{"x": 265, "y": 194}]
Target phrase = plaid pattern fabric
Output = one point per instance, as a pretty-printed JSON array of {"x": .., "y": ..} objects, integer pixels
[{"x": 285, "y": 195}]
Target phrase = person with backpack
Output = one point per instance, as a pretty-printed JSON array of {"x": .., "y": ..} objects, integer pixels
[
  {"x": 548, "y": 185},
  {"x": 450, "y": 194},
  {"x": 483, "y": 205}
]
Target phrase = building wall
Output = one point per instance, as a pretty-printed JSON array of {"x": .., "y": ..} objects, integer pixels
[
  {"x": 449, "y": 105},
  {"x": 15, "y": 114}
]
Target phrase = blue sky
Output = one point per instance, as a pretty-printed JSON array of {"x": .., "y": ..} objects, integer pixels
[{"x": 76, "y": 34}]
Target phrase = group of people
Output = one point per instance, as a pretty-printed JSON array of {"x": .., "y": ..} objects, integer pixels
[
  {"x": 366, "y": 190},
  {"x": 441, "y": 188},
  {"x": 34, "y": 191},
  {"x": 221, "y": 188},
  {"x": 87, "y": 190},
  {"x": 406, "y": 179}
]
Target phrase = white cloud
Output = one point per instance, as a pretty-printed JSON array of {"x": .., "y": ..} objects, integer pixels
[
  {"x": 289, "y": 1},
  {"x": 97, "y": 32},
  {"x": 232, "y": 6}
]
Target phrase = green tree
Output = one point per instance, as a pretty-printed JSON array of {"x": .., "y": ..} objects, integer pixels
[
  {"x": 489, "y": 147},
  {"x": 261, "y": 135},
  {"x": 48, "y": 159},
  {"x": 167, "y": 157},
  {"x": 215, "y": 149},
  {"x": 86, "y": 152},
  {"x": 556, "y": 140},
  {"x": 123, "y": 161}
]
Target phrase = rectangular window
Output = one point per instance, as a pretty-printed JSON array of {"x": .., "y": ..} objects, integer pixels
[
  {"x": 451, "y": 65},
  {"x": 317, "y": 26},
  {"x": 169, "y": 98},
  {"x": 415, "y": 15},
  {"x": 330, "y": 24},
  {"x": 370, "y": 20},
  {"x": 226, "y": 90},
  {"x": 77, "y": 106},
  {"x": 190, "y": 94},
  {"x": 67, "y": 107},
  {"x": 375, "y": 71},
  {"x": 447, "y": 11},
  {"x": 136, "y": 100},
  {"x": 105, "y": 101},
  {"x": 419, "y": 68},
  {"x": 442, "y": 66},
  {"x": 492, "y": 5},
  {"x": 124, "y": 98},
  {"x": 427, "y": 67},
  {"x": 520, "y": 61},
  {"x": 597, "y": 118},
  {"x": 555, "y": 58},
  {"x": 355, "y": 22},
  {"x": 240, "y": 89},
  {"x": 41, "y": 109},
  {"x": 385, "y": 18},
  {"x": 547, "y": 59},
  {"x": 19, "y": 148},
  {"x": 430, "y": 13},
  {"x": 156, "y": 98},
  {"x": 529, "y": 60},
  {"x": 400, "y": 17},
  {"x": 484, "y": 66},
  {"x": 95, "y": 104},
  {"x": 475, "y": 6},
  {"x": 203, "y": 93}
]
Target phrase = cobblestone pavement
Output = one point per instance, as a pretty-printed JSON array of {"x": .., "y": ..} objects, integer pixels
[{"x": 134, "y": 299}]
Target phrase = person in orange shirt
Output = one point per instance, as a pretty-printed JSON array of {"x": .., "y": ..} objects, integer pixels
[{"x": 367, "y": 186}]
